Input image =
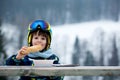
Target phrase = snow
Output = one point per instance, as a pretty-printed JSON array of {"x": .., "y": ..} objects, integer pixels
[
  {"x": 64, "y": 37},
  {"x": 85, "y": 30},
  {"x": 12, "y": 38}
]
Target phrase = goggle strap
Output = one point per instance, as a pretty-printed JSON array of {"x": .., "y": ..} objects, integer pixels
[{"x": 29, "y": 39}]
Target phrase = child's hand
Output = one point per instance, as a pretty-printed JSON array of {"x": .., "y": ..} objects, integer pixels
[
  {"x": 26, "y": 50},
  {"x": 22, "y": 53}
]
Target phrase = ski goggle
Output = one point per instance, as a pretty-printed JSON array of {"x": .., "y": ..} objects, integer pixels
[{"x": 39, "y": 24}]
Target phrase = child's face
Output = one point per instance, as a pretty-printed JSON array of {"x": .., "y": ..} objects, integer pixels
[{"x": 39, "y": 39}]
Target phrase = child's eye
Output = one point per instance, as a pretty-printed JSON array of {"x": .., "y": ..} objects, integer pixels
[
  {"x": 43, "y": 38},
  {"x": 35, "y": 37}
]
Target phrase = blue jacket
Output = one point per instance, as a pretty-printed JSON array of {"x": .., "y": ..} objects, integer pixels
[{"x": 12, "y": 61}]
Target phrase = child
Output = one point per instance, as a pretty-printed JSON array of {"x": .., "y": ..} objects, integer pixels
[{"x": 39, "y": 33}]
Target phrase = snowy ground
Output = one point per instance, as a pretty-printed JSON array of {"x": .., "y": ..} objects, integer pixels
[
  {"x": 64, "y": 38},
  {"x": 64, "y": 35}
]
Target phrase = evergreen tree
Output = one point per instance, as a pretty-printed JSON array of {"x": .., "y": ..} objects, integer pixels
[
  {"x": 76, "y": 53},
  {"x": 114, "y": 61},
  {"x": 101, "y": 62},
  {"x": 2, "y": 52},
  {"x": 89, "y": 61},
  {"x": 101, "y": 58}
]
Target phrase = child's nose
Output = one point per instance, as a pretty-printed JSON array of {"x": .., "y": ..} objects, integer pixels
[{"x": 39, "y": 40}]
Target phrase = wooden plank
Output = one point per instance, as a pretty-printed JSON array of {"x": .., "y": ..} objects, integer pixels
[{"x": 60, "y": 71}]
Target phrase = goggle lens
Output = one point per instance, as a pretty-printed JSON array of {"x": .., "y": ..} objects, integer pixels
[{"x": 39, "y": 24}]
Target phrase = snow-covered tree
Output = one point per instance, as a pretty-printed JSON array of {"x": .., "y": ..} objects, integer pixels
[
  {"x": 114, "y": 61},
  {"x": 76, "y": 52},
  {"x": 2, "y": 51}
]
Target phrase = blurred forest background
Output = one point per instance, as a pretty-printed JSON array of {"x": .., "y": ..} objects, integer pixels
[
  {"x": 17, "y": 14},
  {"x": 58, "y": 12}
]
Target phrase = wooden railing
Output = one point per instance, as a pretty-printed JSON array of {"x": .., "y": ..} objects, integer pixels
[{"x": 60, "y": 71}]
